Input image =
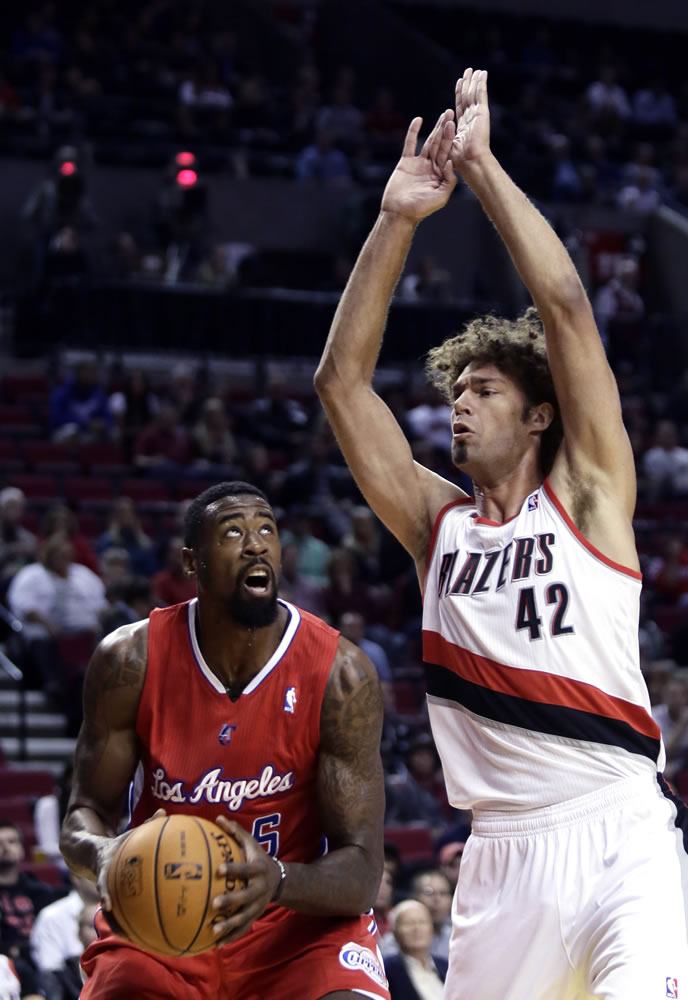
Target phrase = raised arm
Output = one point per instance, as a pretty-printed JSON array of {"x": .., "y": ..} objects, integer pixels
[
  {"x": 404, "y": 495},
  {"x": 351, "y": 797},
  {"x": 106, "y": 753},
  {"x": 596, "y": 448}
]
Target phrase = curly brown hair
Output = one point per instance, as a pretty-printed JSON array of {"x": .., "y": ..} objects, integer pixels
[{"x": 517, "y": 347}]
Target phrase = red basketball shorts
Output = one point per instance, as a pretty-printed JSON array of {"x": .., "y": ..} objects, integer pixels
[{"x": 284, "y": 954}]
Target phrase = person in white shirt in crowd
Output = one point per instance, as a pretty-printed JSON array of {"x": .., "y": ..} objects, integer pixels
[
  {"x": 415, "y": 972},
  {"x": 606, "y": 97},
  {"x": 55, "y": 934},
  {"x": 17, "y": 545},
  {"x": 665, "y": 465},
  {"x": 618, "y": 301}
]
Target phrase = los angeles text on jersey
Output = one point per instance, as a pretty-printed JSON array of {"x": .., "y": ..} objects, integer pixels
[{"x": 211, "y": 787}]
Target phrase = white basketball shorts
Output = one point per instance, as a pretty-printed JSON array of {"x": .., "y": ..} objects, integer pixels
[{"x": 576, "y": 901}]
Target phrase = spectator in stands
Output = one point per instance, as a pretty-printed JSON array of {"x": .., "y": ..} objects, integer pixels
[
  {"x": 322, "y": 161},
  {"x": 618, "y": 305},
  {"x": 184, "y": 393},
  {"x": 671, "y": 715},
  {"x": 449, "y": 861},
  {"x": 55, "y": 940},
  {"x": 428, "y": 418},
  {"x": 134, "y": 406},
  {"x": 384, "y": 125},
  {"x": 415, "y": 972},
  {"x": 125, "y": 531},
  {"x": 297, "y": 588},
  {"x": 258, "y": 468},
  {"x": 214, "y": 448},
  {"x": 314, "y": 554},
  {"x": 426, "y": 282},
  {"x": 325, "y": 484},
  {"x": 204, "y": 102},
  {"x": 60, "y": 518},
  {"x": 654, "y": 111},
  {"x": 165, "y": 445},
  {"x": 435, "y": 890},
  {"x": 277, "y": 419},
  {"x": 17, "y": 545},
  {"x": 606, "y": 98},
  {"x": 352, "y": 627},
  {"x": 171, "y": 585},
  {"x": 341, "y": 119},
  {"x": 650, "y": 636},
  {"x": 411, "y": 795},
  {"x": 22, "y": 897},
  {"x": 667, "y": 571},
  {"x": 130, "y": 601},
  {"x": 384, "y": 901},
  {"x": 115, "y": 567},
  {"x": 665, "y": 464},
  {"x": 79, "y": 408},
  {"x": 344, "y": 592},
  {"x": 56, "y": 598},
  {"x": 566, "y": 181}
]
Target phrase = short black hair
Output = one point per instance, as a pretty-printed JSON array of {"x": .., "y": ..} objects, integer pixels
[
  {"x": 193, "y": 521},
  {"x": 9, "y": 824}
]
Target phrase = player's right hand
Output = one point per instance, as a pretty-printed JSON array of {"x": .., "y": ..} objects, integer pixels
[
  {"x": 421, "y": 183},
  {"x": 472, "y": 139},
  {"x": 106, "y": 853}
]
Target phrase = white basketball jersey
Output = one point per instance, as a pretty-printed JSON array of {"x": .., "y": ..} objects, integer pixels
[{"x": 530, "y": 641}]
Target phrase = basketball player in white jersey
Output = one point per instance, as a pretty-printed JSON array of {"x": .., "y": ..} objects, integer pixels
[{"x": 571, "y": 881}]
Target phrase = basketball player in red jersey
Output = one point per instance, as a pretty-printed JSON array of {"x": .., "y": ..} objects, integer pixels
[
  {"x": 570, "y": 883},
  {"x": 239, "y": 708}
]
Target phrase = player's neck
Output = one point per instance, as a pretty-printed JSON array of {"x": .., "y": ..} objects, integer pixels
[
  {"x": 501, "y": 500},
  {"x": 235, "y": 654}
]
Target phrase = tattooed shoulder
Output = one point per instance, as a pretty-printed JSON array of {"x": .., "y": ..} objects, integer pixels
[
  {"x": 351, "y": 713},
  {"x": 123, "y": 657}
]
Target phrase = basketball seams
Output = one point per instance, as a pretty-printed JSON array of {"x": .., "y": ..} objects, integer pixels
[
  {"x": 161, "y": 925},
  {"x": 210, "y": 886},
  {"x": 119, "y": 912}
]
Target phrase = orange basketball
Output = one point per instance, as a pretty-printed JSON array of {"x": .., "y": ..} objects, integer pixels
[{"x": 163, "y": 879}]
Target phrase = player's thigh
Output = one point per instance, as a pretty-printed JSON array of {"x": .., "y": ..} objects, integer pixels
[
  {"x": 640, "y": 949},
  {"x": 506, "y": 942}
]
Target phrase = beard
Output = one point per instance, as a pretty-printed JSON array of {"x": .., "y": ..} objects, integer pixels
[
  {"x": 7, "y": 865},
  {"x": 459, "y": 453},
  {"x": 253, "y": 612}
]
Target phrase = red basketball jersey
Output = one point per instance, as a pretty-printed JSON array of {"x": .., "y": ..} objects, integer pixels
[{"x": 253, "y": 759}]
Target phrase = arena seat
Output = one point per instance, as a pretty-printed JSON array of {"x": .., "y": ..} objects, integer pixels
[
  {"x": 14, "y": 782},
  {"x": 17, "y": 808},
  {"x": 48, "y": 455},
  {"x": 145, "y": 490},
  {"x": 44, "y": 871},
  {"x": 414, "y": 842},
  {"x": 36, "y": 486},
  {"x": 89, "y": 489}
]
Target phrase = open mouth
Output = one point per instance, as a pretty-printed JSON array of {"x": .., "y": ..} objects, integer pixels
[
  {"x": 460, "y": 430},
  {"x": 257, "y": 581}
]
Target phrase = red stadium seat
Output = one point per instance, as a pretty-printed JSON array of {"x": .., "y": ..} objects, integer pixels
[
  {"x": 19, "y": 388},
  {"x": 17, "y": 809},
  {"x": 145, "y": 490},
  {"x": 14, "y": 782},
  {"x": 79, "y": 489},
  {"x": 36, "y": 486},
  {"x": 103, "y": 454},
  {"x": 45, "y": 455},
  {"x": 414, "y": 842},
  {"x": 44, "y": 871},
  {"x": 10, "y": 458}
]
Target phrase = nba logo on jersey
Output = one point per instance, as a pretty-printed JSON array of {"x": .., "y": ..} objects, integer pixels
[
  {"x": 672, "y": 987},
  {"x": 290, "y": 699},
  {"x": 225, "y": 734},
  {"x": 533, "y": 500}
]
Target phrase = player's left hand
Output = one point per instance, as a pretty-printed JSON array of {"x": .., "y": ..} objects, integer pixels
[
  {"x": 472, "y": 139},
  {"x": 238, "y": 909}
]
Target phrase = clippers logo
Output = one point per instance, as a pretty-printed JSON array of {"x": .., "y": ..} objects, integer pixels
[
  {"x": 353, "y": 956},
  {"x": 533, "y": 501},
  {"x": 186, "y": 870},
  {"x": 672, "y": 987},
  {"x": 290, "y": 700},
  {"x": 225, "y": 734}
]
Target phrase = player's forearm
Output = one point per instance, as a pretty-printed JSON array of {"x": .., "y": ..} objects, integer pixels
[
  {"x": 537, "y": 252},
  {"x": 355, "y": 337},
  {"x": 83, "y": 836},
  {"x": 341, "y": 883}
]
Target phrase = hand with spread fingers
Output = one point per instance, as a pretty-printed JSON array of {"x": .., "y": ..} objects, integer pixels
[
  {"x": 472, "y": 138},
  {"x": 237, "y": 910},
  {"x": 422, "y": 182}
]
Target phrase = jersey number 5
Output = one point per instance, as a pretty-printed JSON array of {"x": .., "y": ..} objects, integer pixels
[
  {"x": 527, "y": 613},
  {"x": 266, "y": 832}
]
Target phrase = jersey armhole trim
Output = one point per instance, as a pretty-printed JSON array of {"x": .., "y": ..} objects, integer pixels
[
  {"x": 561, "y": 510},
  {"x": 461, "y": 502}
]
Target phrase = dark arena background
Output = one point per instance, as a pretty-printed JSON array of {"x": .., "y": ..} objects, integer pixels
[{"x": 184, "y": 188}]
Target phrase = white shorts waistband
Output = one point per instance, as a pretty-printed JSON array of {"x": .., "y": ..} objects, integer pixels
[{"x": 501, "y": 824}]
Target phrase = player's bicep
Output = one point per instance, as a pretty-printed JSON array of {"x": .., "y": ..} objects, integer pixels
[
  {"x": 350, "y": 776},
  {"x": 107, "y": 748},
  {"x": 594, "y": 433},
  {"x": 380, "y": 459}
]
